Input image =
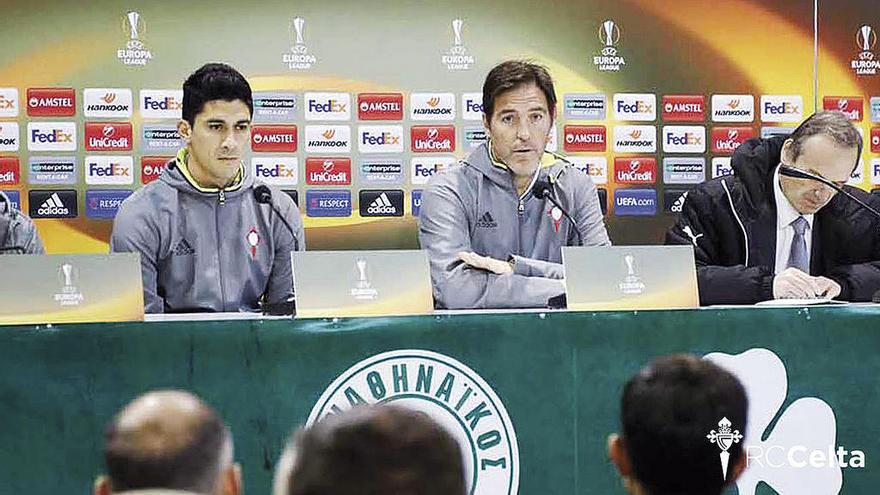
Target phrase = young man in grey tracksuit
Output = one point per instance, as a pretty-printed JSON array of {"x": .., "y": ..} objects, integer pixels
[
  {"x": 206, "y": 243},
  {"x": 491, "y": 243}
]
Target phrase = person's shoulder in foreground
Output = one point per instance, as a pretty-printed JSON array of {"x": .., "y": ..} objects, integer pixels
[
  {"x": 666, "y": 412},
  {"x": 379, "y": 449},
  {"x": 17, "y": 231}
]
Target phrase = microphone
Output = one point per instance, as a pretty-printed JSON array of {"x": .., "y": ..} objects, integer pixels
[
  {"x": 801, "y": 174},
  {"x": 542, "y": 189},
  {"x": 11, "y": 249},
  {"x": 263, "y": 195}
]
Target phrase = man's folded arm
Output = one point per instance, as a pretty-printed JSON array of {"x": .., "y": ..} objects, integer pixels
[{"x": 443, "y": 232}]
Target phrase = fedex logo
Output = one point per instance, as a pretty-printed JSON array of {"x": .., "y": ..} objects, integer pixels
[
  {"x": 433, "y": 139},
  {"x": 472, "y": 106},
  {"x": 279, "y": 171},
  {"x": 51, "y": 136},
  {"x": 852, "y": 106},
  {"x": 721, "y": 167},
  {"x": 161, "y": 104},
  {"x": 594, "y": 166},
  {"x": 380, "y": 106},
  {"x": 641, "y": 170},
  {"x": 782, "y": 108},
  {"x": 875, "y": 171},
  {"x": 10, "y": 171},
  {"x": 274, "y": 138},
  {"x": 733, "y": 108},
  {"x": 635, "y": 106},
  {"x": 328, "y": 171},
  {"x": 425, "y": 168},
  {"x": 115, "y": 170},
  {"x": 9, "y": 135},
  {"x": 109, "y": 136},
  {"x": 8, "y": 102},
  {"x": 684, "y": 108},
  {"x": 152, "y": 167},
  {"x": 584, "y": 138},
  {"x": 51, "y": 102},
  {"x": 380, "y": 139},
  {"x": 328, "y": 106},
  {"x": 726, "y": 139},
  {"x": 432, "y": 106},
  {"x": 684, "y": 139}
]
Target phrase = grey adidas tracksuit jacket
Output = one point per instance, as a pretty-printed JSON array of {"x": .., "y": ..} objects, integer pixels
[
  {"x": 474, "y": 206},
  {"x": 218, "y": 251},
  {"x": 17, "y": 230}
]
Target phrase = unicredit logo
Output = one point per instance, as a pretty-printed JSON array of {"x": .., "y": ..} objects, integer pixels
[
  {"x": 852, "y": 106},
  {"x": 728, "y": 139},
  {"x": 433, "y": 138},
  {"x": 328, "y": 171},
  {"x": 111, "y": 136},
  {"x": 641, "y": 170}
]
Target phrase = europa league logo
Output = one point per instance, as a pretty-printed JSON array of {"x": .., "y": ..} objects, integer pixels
[
  {"x": 866, "y": 39},
  {"x": 135, "y": 27},
  {"x": 361, "y": 264},
  {"x": 609, "y": 35},
  {"x": 67, "y": 274},
  {"x": 632, "y": 285},
  {"x": 297, "y": 26},
  {"x": 457, "y": 26}
]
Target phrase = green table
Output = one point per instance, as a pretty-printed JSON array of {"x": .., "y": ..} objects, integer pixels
[{"x": 558, "y": 374}]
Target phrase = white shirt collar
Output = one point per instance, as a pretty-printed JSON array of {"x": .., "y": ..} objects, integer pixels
[{"x": 785, "y": 212}]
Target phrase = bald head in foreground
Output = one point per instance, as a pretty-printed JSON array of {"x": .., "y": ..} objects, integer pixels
[
  {"x": 372, "y": 450},
  {"x": 168, "y": 441}
]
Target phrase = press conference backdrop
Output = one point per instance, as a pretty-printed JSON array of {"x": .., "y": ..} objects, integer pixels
[{"x": 358, "y": 103}]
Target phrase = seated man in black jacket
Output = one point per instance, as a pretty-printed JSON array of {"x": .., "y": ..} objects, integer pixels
[{"x": 758, "y": 235}]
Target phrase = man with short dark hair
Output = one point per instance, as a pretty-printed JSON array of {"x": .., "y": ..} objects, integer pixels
[
  {"x": 206, "y": 241},
  {"x": 491, "y": 243},
  {"x": 168, "y": 440},
  {"x": 18, "y": 234},
  {"x": 372, "y": 450},
  {"x": 763, "y": 235},
  {"x": 667, "y": 412}
]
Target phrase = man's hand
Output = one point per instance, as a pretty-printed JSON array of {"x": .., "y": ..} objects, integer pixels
[
  {"x": 795, "y": 284},
  {"x": 485, "y": 263}
]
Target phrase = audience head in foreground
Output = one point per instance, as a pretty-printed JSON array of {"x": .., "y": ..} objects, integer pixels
[
  {"x": 168, "y": 440},
  {"x": 372, "y": 450},
  {"x": 667, "y": 411}
]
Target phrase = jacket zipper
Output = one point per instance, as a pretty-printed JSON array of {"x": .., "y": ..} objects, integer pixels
[
  {"x": 222, "y": 197},
  {"x": 222, "y": 201}
]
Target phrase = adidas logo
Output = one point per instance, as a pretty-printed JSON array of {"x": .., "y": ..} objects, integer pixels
[
  {"x": 487, "y": 222},
  {"x": 382, "y": 206},
  {"x": 183, "y": 248},
  {"x": 53, "y": 206}
]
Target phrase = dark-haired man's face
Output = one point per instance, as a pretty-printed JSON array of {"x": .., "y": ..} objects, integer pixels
[
  {"x": 519, "y": 128},
  {"x": 217, "y": 140},
  {"x": 819, "y": 155}
]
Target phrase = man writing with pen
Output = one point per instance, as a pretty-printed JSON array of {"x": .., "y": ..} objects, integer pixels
[
  {"x": 494, "y": 224},
  {"x": 778, "y": 228}
]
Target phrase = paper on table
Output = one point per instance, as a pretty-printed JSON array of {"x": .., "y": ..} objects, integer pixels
[{"x": 799, "y": 302}]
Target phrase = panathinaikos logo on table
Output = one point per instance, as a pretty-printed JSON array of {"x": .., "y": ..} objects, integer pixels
[{"x": 450, "y": 393}]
